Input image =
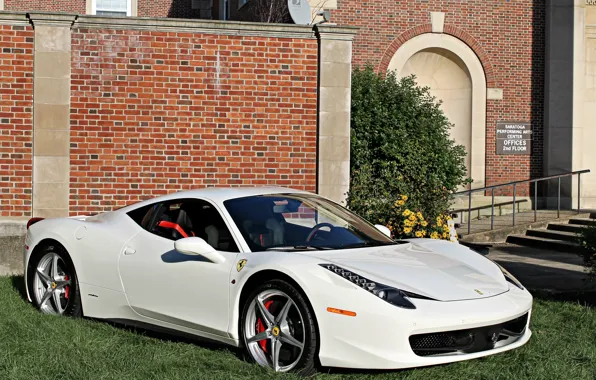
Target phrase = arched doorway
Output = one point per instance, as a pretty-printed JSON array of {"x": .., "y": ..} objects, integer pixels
[{"x": 455, "y": 75}]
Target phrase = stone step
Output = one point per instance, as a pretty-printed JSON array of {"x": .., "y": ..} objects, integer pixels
[
  {"x": 539, "y": 242},
  {"x": 583, "y": 221},
  {"x": 553, "y": 235},
  {"x": 575, "y": 228}
]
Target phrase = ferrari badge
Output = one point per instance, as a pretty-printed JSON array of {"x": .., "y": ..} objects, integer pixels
[{"x": 240, "y": 265}]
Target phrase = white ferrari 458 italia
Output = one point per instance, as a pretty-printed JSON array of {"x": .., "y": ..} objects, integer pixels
[{"x": 295, "y": 279}]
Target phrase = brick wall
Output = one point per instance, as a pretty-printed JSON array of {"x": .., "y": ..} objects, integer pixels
[
  {"x": 157, "y": 112},
  {"x": 16, "y": 120},
  {"x": 70, "y": 6},
  {"x": 508, "y": 37}
]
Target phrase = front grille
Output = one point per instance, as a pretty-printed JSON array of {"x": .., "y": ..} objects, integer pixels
[{"x": 467, "y": 341}]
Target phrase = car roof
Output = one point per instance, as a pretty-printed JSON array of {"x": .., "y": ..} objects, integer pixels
[{"x": 216, "y": 194}]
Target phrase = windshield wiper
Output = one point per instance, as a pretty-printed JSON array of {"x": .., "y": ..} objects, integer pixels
[
  {"x": 366, "y": 244},
  {"x": 297, "y": 248}
]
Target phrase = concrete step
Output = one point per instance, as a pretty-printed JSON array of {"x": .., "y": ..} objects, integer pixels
[
  {"x": 544, "y": 243},
  {"x": 583, "y": 221},
  {"x": 575, "y": 228},
  {"x": 553, "y": 235}
]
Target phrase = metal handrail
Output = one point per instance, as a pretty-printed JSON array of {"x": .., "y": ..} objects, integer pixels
[
  {"x": 523, "y": 181},
  {"x": 528, "y": 181}
]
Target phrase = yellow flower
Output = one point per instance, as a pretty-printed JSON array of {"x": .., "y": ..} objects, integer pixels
[
  {"x": 434, "y": 235},
  {"x": 423, "y": 233},
  {"x": 439, "y": 223},
  {"x": 412, "y": 218},
  {"x": 401, "y": 203},
  {"x": 424, "y": 223},
  {"x": 419, "y": 215},
  {"x": 446, "y": 228},
  {"x": 419, "y": 234},
  {"x": 407, "y": 223},
  {"x": 404, "y": 197},
  {"x": 407, "y": 213},
  {"x": 445, "y": 235},
  {"x": 407, "y": 230}
]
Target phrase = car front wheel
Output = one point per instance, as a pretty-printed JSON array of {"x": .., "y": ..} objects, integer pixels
[{"x": 279, "y": 329}]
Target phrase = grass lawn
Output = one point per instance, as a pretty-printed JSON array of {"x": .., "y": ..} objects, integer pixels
[{"x": 35, "y": 346}]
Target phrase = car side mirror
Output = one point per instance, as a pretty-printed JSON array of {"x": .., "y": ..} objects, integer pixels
[
  {"x": 383, "y": 229},
  {"x": 195, "y": 246}
]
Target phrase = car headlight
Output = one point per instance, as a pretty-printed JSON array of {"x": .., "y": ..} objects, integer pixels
[
  {"x": 394, "y": 296},
  {"x": 509, "y": 277}
]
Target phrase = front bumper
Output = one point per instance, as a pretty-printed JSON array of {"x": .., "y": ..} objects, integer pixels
[{"x": 379, "y": 336}]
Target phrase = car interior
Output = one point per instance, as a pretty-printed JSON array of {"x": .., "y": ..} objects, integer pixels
[{"x": 187, "y": 218}]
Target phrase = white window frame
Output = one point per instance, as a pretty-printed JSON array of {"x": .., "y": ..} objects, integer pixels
[{"x": 128, "y": 8}]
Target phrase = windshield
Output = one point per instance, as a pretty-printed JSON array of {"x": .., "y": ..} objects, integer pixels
[{"x": 300, "y": 221}]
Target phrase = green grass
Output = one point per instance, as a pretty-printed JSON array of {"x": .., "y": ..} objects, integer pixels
[{"x": 36, "y": 346}]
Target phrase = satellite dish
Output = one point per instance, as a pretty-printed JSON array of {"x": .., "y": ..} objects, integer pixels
[{"x": 300, "y": 11}]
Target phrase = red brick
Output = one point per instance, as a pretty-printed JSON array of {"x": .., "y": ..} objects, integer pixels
[
  {"x": 16, "y": 122},
  {"x": 180, "y": 130}
]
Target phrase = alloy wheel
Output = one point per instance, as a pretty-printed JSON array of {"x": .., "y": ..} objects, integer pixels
[
  {"x": 51, "y": 284},
  {"x": 274, "y": 330}
]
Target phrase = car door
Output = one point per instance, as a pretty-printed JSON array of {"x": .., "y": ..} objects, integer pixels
[{"x": 163, "y": 284}]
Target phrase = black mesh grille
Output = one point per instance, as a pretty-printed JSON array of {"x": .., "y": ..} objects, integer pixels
[
  {"x": 466, "y": 341},
  {"x": 433, "y": 340}
]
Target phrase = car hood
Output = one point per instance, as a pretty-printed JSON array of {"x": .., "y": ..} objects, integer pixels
[{"x": 437, "y": 269}]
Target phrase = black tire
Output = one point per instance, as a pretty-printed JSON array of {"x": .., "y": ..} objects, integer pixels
[
  {"x": 73, "y": 307},
  {"x": 307, "y": 364}
]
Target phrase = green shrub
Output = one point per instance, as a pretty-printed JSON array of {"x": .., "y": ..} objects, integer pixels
[
  {"x": 587, "y": 239},
  {"x": 400, "y": 144}
]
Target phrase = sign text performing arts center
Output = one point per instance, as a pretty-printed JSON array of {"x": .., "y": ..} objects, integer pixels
[{"x": 514, "y": 137}]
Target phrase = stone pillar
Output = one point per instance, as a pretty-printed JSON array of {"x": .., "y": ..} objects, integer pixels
[
  {"x": 51, "y": 114},
  {"x": 334, "y": 104}
]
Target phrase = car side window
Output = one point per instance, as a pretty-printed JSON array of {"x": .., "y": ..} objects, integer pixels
[
  {"x": 141, "y": 215},
  {"x": 182, "y": 218}
]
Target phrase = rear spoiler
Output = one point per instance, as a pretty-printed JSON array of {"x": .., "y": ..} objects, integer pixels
[{"x": 32, "y": 221}]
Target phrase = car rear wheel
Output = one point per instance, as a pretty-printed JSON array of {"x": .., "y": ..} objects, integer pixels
[
  {"x": 279, "y": 329},
  {"x": 53, "y": 283}
]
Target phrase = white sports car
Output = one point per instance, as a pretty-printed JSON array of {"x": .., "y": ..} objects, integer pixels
[{"x": 292, "y": 277}]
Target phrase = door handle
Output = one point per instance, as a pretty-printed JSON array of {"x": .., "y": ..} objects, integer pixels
[{"x": 129, "y": 251}]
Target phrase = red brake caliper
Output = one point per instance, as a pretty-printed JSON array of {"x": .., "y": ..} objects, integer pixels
[
  {"x": 261, "y": 328},
  {"x": 66, "y": 288}
]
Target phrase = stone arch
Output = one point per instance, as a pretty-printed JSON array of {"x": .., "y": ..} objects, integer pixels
[
  {"x": 468, "y": 61},
  {"x": 450, "y": 30}
]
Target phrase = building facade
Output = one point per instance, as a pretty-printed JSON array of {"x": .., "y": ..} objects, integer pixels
[{"x": 498, "y": 66}]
